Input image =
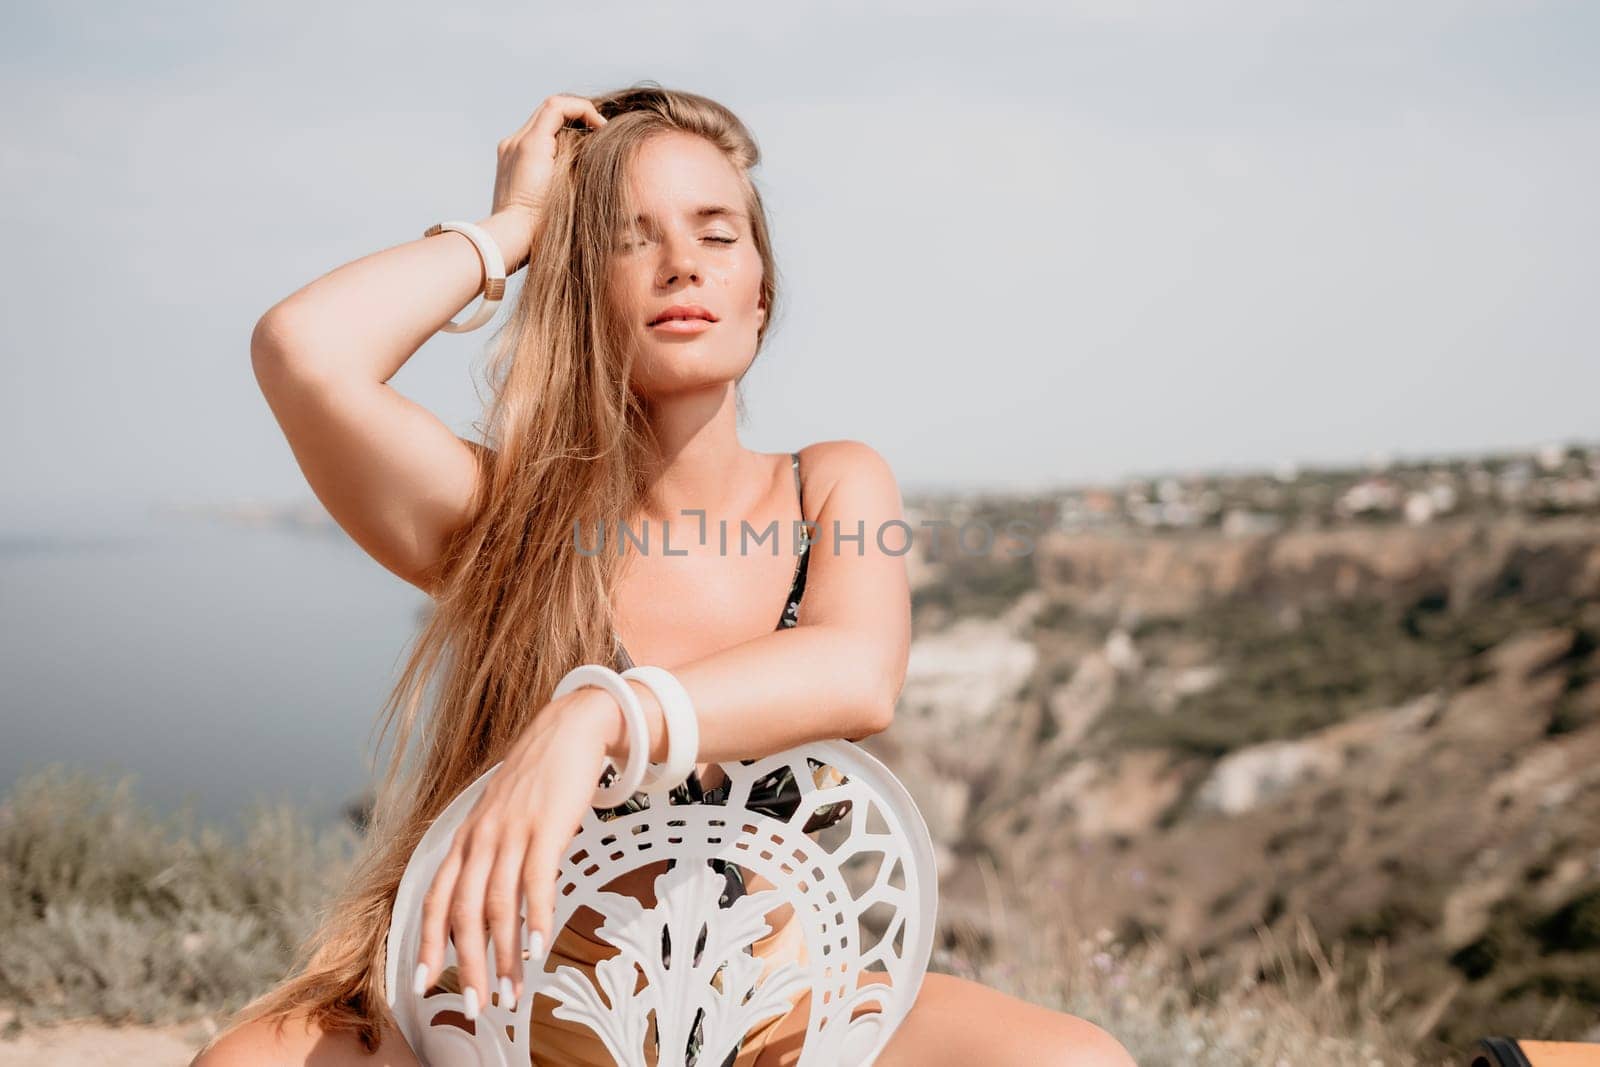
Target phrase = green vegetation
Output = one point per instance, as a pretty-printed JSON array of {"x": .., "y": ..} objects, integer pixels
[
  {"x": 1538, "y": 968},
  {"x": 1302, "y": 1002},
  {"x": 1289, "y": 674},
  {"x": 112, "y": 913},
  {"x": 976, "y": 586}
]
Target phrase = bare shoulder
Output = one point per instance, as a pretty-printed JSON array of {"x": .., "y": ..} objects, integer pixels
[
  {"x": 484, "y": 453},
  {"x": 855, "y": 466}
]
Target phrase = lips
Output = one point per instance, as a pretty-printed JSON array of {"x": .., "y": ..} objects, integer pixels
[{"x": 682, "y": 311}]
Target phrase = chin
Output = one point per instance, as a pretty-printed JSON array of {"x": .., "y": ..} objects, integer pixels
[{"x": 682, "y": 368}]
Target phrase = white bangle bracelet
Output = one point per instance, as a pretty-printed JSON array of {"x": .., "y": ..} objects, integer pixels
[
  {"x": 494, "y": 272},
  {"x": 632, "y": 773},
  {"x": 683, "y": 729}
]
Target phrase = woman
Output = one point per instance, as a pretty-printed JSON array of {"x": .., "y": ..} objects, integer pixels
[{"x": 626, "y": 208}]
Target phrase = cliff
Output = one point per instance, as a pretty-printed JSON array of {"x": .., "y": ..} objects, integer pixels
[{"x": 1391, "y": 731}]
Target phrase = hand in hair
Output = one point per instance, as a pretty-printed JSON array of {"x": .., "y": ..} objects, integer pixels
[
  {"x": 527, "y": 161},
  {"x": 509, "y": 846}
]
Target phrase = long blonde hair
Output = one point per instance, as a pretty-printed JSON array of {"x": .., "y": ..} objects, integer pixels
[{"x": 517, "y": 607}]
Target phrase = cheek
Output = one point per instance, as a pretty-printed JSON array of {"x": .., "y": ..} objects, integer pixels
[
  {"x": 627, "y": 296},
  {"x": 741, "y": 284}
]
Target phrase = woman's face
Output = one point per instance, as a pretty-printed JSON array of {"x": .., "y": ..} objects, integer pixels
[{"x": 680, "y": 252}]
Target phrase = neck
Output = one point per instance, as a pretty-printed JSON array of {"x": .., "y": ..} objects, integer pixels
[{"x": 700, "y": 462}]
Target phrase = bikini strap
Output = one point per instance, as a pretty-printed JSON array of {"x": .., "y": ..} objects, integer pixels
[
  {"x": 797, "y": 587},
  {"x": 798, "y": 491}
]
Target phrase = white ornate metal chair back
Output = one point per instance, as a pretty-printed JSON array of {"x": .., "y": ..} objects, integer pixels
[{"x": 864, "y": 892}]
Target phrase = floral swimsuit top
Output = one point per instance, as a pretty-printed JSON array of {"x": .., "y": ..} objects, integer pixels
[{"x": 777, "y": 794}]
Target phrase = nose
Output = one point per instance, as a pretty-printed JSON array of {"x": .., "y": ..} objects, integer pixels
[{"x": 679, "y": 261}]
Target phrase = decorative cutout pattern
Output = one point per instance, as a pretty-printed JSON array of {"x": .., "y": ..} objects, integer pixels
[{"x": 863, "y": 894}]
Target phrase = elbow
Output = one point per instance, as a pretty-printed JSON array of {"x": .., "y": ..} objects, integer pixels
[
  {"x": 870, "y": 681},
  {"x": 878, "y": 708},
  {"x": 276, "y": 347},
  {"x": 879, "y": 718},
  {"x": 269, "y": 346},
  {"x": 871, "y": 721},
  {"x": 270, "y": 338}
]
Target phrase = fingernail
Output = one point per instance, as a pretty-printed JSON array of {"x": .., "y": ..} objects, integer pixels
[
  {"x": 419, "y": 984},
  {"x": 536, "y": 945},
  {"x": 507, "y": 994},
  {"x": 470, "y": 995}
]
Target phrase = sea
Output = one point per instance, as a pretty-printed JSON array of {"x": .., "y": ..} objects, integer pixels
[{"x": 222, "y": 661}]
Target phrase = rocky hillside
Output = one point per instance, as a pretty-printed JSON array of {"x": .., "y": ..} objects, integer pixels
[{"x": 1390, "y": 731}]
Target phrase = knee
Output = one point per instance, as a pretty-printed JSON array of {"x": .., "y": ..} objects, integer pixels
[
  {"x": 295, "y": 1040},
  {"x": 242, "y": 1046},
  {"x": 1028, "y": 1033},
  {"x": 256, "y": 1043},
  {"x": 1087, "y": 1045}
]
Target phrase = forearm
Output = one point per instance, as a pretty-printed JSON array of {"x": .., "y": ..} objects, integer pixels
[
  {"x": 363, "y": 320},
  {"x": 785, "y": 688}
]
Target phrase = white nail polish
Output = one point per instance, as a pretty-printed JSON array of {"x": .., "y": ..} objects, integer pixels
[
  {"x": 470, "y": 995},
  {"x": 536, "y": 946},
  {"x": 507, "y": 994},
  {"x": 419, "y": 984}
]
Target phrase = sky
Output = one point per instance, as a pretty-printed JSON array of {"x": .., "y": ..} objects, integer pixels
[{"x": 1021, "y": 245}]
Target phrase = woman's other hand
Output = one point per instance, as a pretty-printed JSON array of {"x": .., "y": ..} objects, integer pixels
[
  {"x": 510, "y": 845},
  {"x": 526, "y": 163}
]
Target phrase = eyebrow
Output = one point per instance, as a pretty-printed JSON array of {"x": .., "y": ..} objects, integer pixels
[{"x": 707, "y": 211}]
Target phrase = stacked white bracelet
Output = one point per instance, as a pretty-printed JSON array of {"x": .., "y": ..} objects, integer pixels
[
  {"x": 683, "y": 729},
  {"x": 677, "y": 711},
  {"x": 632, "y": 773},
  {"x": 494, "y": 272}
]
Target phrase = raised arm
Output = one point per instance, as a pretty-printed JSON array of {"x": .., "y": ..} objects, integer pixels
[
  {"x": 837, "y": 674},
  {"x": 392, "y": 474}
]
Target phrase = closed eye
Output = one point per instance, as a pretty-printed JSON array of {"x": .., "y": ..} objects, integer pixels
[{"x": 623, "y": 246}]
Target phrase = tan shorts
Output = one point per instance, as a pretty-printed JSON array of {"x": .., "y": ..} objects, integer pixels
[{"x": 564, "y": 1043}]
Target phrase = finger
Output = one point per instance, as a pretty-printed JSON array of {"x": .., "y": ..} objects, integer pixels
[
  {"x": 564, "y": 108},
  {"x": 539, "y": 891},
  {"x": 466, "y": 917},
  {"x": 551, "y": 115},
  {"x": 501, "y": 909},
  {"x": 521, "y": 131},
  {"x": 435, "y": 913},
  {"x": 576, "y": 107},
  {"x": 540, "y": 868}
]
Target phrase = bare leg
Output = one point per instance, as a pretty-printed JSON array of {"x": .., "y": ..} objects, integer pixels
[
  {"x": 953, "y": 1021},
  {"x": 956, "y": 1021},
  {"x": 298, "y": 1042}
]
